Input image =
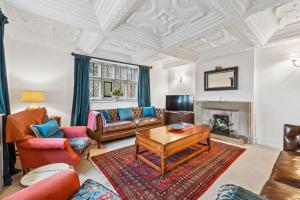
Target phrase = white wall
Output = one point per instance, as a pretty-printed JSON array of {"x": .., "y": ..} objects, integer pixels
[
  {"x": 158, "y": 86},
  {"x": 37, "y": 67},
  {"x": 277, "y": 93},
  {"x": 245, "y": 92},
  {"x": 187, "y": 86}
]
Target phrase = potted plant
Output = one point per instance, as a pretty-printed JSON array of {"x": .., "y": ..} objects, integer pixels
[{"x": 117, "y": 94}]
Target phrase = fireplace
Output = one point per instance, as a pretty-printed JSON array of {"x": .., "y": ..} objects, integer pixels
[
  {"x": 220, "y": 124},
  {"x": 229, "y": 120}
]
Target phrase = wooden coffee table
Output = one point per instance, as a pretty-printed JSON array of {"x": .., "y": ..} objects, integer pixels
[{"x": 165, "y": 143}]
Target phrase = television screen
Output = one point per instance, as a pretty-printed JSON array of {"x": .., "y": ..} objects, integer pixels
[{"x": 180, "y": 103}]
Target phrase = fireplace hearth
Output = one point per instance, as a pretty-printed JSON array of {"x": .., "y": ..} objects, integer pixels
[{"x": 229, "y": 121}]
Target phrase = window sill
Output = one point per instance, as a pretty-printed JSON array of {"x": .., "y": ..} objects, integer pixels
[{"x": 111, "y": 100}]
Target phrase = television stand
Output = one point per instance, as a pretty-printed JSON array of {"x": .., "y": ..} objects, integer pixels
[{"x": 174, "y": 117}]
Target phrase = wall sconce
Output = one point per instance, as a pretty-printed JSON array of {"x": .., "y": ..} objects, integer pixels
[
  {"x": 295, "y": 59},
  {"x": 179, "y": 79}
]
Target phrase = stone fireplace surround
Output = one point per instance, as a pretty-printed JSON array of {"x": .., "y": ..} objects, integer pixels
[{"x": 239, "y": 112}]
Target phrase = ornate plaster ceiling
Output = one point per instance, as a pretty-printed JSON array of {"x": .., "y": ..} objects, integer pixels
[{"x": 173, "y": 32}]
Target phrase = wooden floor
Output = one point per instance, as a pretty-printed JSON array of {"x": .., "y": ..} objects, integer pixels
[{"x": 242, "y": 172}]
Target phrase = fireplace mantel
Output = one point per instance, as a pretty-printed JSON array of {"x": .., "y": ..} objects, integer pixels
[{"x": 244, "y": 108}]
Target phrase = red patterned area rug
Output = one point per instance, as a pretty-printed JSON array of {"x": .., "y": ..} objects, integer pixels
[{"x": 133, "y": 179}]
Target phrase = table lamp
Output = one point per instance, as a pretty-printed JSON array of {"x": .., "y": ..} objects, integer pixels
[{"x": 33, "y": 97}]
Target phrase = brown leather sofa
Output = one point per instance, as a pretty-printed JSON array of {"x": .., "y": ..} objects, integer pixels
[
  {"x": 284, "y": 182},
  {"x": 120, "y": 128}
]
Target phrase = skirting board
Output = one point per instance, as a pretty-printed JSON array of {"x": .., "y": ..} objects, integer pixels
[{"x": 269, "y": 142}]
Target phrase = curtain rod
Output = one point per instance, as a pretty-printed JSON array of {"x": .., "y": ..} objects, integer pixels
[{"x": 97, "y": 58}]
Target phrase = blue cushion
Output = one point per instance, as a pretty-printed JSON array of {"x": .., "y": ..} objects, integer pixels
[
  {"x": 92, "y": 190},
  {"x": 233, "y": 192},
  {"x": 106, "y": 116},
  {"x": 149, "y": 111},
  {"x": 126, "y": 113},
  {"x": 48, "y": 129},
  {"x": 58, "y": 134}
]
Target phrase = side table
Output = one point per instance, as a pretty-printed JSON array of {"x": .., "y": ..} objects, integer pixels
[{"x": 42, "y": 173}]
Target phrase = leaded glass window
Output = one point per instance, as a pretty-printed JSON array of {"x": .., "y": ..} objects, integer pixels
[{"x": 106, "y": 77}]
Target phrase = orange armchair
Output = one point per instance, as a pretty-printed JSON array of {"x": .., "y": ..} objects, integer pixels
[{"x": 36, "y": 152}]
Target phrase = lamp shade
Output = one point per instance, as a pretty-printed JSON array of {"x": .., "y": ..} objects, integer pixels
[{"x": 33, "y": 96}]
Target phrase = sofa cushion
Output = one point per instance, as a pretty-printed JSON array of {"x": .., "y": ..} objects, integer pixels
[
  {"x": 274, "y": 190},
  {"x": 286, "y": 169},
  {"x": 106, "y": 115},
  {"x": 149, "y": 111},
  {"x": 90, "y": 189},
  {"x": 233, "y": 192},
  {"x": 79, "y": 144},
  {"x": 147, "y": 121},
  {"x": 118, "y": 126},
  {"x": 126, "y": 113}
]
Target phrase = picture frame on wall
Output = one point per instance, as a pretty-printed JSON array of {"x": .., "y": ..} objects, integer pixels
[{"x": 107, "y": 89}]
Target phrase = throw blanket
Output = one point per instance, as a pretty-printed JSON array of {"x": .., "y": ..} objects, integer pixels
[
  {"x": 92, "y": 122},
  {"x": 18, "y": 125}
]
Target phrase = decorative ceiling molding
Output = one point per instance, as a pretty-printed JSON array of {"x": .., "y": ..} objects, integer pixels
[
  {"x": 111, "y": 13},
  {"x": 121, "y": 46},
  {"x": 163, "y": 18},
  {"x": 43, "y": 27},
  {"x": 289, "y": 32},
  {"x": 167, "y": 60},
  {"x": 182, "y": 53},
  {"x": 288, "y": 13},
  {"x": 147, "y": 39},
  {"x": 88, "y": 41},
  {"x": 184, "y": 30},
  {"x": 263, "y": 24},
  {"x": 79, "y": 14},
  {"x": 212, "y": 41},
  {"x": 236, "y": 13}
]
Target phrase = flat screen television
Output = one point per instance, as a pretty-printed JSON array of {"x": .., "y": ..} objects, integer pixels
[{"x": 179, "y": 103}]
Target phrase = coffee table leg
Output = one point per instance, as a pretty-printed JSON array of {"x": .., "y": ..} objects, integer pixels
[
  {"x": 136, "y": 150},
  {"x": 163, "y": 166},
  {"x": 208, "y": 143}
]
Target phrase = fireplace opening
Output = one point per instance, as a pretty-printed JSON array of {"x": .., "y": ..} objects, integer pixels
[{"x": 221, "y": 124}]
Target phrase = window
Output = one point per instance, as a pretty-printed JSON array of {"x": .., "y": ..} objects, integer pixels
[{"x": 105, "y": 77}]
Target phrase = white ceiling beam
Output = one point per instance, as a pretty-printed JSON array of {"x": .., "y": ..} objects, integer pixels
[
  {"x": 88, "y": 41},
  {"x": 111, "y": 13}
]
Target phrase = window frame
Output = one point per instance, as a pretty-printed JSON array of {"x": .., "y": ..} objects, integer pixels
[{"x": 99, "y": 78}]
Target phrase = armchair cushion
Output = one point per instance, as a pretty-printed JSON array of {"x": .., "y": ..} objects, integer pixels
[
  {"x": 49, "y": 130},
  {"x": 42, "y": 143},
  {"x": 80, "y": 144},
  {"x": 74, "y": 131},
  {"x": 90, "y": 189}
]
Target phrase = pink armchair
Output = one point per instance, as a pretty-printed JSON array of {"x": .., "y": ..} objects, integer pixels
[{"x": 36, "y": 152}]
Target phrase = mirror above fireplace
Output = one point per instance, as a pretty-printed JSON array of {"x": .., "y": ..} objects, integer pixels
[{"x": 221, "y": 79}]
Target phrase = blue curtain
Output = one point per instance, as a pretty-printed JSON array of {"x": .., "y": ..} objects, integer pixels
[
  {"x": 4, "y": 106},
  {"x": 144, "y": 99},
  {"x": 81, "y": 99}
]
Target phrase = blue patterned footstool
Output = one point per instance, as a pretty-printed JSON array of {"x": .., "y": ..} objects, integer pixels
[
  {"x": 92, "y": 190},
  {"x": 233, "y": 192}
]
